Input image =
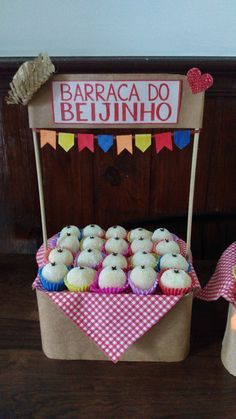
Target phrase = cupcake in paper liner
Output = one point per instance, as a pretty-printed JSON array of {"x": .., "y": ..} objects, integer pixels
[
  {"x": 116, "y": 245},
  {"x": 139, "y": 232},
  {"x": 144, "y": 258},
  {"x": 162, "y": 234},
  {"x": 115, "y": 259},
  {"x": 72, "y": 230},
  {"x": 59, "y": 255},
  {"x": 175, "y": 281},
  {"x": 69, "y": 242},
  {"x": 141, "y": 244},
  {"x": 92, "y": 242},
  {"x": 116, "y": 231},
  {"x": 92, "y": 258},
  {"x": 93, "y": 230},
  {"x": 143, "y": 280},
  {"x": 166, "y": 246},
  {"x": 52, "y": 276},
  {"x": 79, "y": 279},
  {"x": 173, "y": 260},
  {"x": 110, "y": 280}
]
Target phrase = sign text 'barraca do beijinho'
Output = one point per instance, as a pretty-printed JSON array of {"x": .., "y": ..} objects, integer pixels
[{"x": 116, "y": 102}]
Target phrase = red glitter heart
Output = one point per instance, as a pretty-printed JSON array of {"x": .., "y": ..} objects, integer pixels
[{"x": 197, "y": 81}]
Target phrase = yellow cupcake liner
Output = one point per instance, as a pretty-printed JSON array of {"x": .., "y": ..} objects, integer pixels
[{"x": 73, "y": 288}]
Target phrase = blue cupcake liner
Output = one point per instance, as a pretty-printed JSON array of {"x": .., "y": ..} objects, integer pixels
[
  {"x": 51, "y": 286},
  {"x": 159, "y": 268}
]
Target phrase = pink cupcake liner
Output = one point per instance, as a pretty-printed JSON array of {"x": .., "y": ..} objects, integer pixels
[
  {"x": 174, "y": 291},
  {"x": 139, "y": 291},
  {"x": 126, "y": 254},
  {"x": 112, "y": 290}
]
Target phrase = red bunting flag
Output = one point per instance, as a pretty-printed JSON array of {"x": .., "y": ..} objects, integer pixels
[
  {"x": 85, "y": 141},
  {"x": 163, "y": 140}
]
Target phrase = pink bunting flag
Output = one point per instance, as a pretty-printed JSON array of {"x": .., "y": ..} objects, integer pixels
[
  {"x": 163, "y": 140},
  {"x": 85, "y": 141}
]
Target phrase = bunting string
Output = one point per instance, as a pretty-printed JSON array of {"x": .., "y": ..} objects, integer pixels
[{"x": 179, "y": 138}]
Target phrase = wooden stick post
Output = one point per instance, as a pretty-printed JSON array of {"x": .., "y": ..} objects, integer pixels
[
  {"x": 40, "y": 188},
  {"x": 191, "y": 191}
]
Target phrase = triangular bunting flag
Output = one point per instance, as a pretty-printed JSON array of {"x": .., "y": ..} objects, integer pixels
[
  {"x": 124, "y": 142},
  {"x": 105, "y": 142},
  {"x": 66, "y": 140},
  {"x": 143, "y": 141},
  {"x": 48, "y": 137},
  {"x": 85, "y": 141},
  {"x": 163, "y": 140},
  {"x": 182, "y": 138}
]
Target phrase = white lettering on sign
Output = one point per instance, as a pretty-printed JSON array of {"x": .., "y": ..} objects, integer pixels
[{"x": 116, "y": 102}]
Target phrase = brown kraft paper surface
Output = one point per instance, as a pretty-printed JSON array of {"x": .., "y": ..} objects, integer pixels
[
  {"x": 191, "y": 105},
  {"x": 167, "y": 341}
]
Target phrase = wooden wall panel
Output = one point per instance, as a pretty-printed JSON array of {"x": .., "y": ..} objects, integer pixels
[{"x": 146, "y": 189}]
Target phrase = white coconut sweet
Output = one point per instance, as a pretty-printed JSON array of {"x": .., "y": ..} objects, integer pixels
[
  {"x": 176, "y": 278},
  {"x": 93, "y": 230},
  {"x": 73, "y": 230},
  {"x": 111, "y": 277},
  {"x": 54, "y": 272},
  {"x": 115, "y": 259},
  {"x": 140, "y": 232},
  {"x": 60, "y": 255},
  {"x": 143, "y": 277},
  {"x": 116, "y": 231},
  {"x": 167, "y": 246},
  {"x": 69, "y": 242},
  {"x": 141, "y": 244},
  {"x": 116, "y": 245},
  {"x": 81, "y": 276},
  {"x": 92, "y": 242},
  {"x": 144, "y": 258},
  {"x": 161, "y": 234},
  {"x": 174, "y": 260},
  {"x": 90, "y": 258}
]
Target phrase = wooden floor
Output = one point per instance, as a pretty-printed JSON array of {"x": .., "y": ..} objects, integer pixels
[{"x": 32, "y": 386}]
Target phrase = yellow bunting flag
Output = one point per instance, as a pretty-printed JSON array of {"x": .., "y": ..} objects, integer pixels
[
  {"x": 66, "y": 140},
  {"x": 124, "y": 142},
  {"x": 48, "y": 137},
  {"x": 143, "y": 141}
]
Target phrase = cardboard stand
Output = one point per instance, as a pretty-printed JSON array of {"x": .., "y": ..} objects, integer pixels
[{"x": 169, "y": 339}]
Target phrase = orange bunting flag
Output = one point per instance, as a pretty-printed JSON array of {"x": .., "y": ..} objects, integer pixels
[
  {"x": 124, "y": 142},
  {"x": 143, "y": 141},
  {"x": 66, "y": 140},
  {"x": 163, "y": 140},
  {"x": 48, "y": 137},
  {"x": 85, "y": 141}
]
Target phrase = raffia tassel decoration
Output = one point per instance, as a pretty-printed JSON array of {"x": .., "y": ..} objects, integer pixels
[{"x": 29, "y": 78}]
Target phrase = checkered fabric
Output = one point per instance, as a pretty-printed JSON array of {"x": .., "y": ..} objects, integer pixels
[
  {"x": 113, "y": 322},
  {"x": 222, "y": 282}
]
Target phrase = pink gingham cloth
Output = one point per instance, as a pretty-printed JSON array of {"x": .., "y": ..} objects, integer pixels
[
  {"x": 115, "y": 321},
  {"x": 222, "y": 282}
]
